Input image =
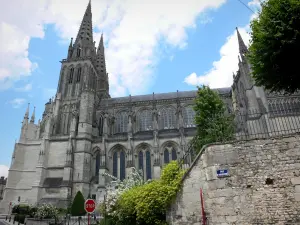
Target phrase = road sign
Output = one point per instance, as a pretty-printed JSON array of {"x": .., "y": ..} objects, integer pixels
[{"x": 90, "y": 205}]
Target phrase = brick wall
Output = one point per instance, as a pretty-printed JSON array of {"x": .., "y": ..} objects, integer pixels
[{"x": 263, "y": 186}]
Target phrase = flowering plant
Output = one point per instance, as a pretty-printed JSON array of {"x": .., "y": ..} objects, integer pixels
[
  {"x": 47, "y": 211},
  {"x": 117, "y": 187}
]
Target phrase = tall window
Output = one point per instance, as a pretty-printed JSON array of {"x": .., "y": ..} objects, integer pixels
[
  {"x": 189, "y": 116},
  {"x": 148, "y": 165},
  {"x": 71, "y": 75},
  {"x": 168, "y": 118},
  {"x": 100, "y": 126},
  {"x": 145, "y": 120},
  {"x": 122, "y": 122},
  {"x": 78, "y": 51},
  {"x": 78, "y": 75},
  {"x": 166, "y": 156},
  {"x": 122, "y": 165},
  {"x": 141, "y": 161},
  {"x": 174, "y": 154},
  {"x": 97, "y": 163},
  {"x": 115, "y": 164}
]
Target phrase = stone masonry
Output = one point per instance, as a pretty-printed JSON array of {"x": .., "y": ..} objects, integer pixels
[
  {"x": 2, "y": 186},
  {"x": 262, "y": 186}
]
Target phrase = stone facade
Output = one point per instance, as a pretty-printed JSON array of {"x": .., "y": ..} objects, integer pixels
[
  {"x": 262, "y": 186},
  {"x": 84, "y": 132},
  {"x": 2, "y": 186}
]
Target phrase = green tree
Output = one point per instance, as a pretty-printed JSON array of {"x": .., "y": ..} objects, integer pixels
[
  {"x": 213, "y": 123},
  {"x": 77, "y": 208},
  {"x": 275, "y": 46}
]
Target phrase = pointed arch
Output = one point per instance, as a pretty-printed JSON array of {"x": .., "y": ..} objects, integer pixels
[
  {"x": 169, "y": 149},
  {"x": 119, "y": 161},
  {"x": 167, "y": 118},
  {"x": 144, "y": 121},
  {"x": 174, "y": 154},
  {"x": 189, "y": 116},
  {"x": 121, "y": 122},
  {"x": 166, "y": 156}
]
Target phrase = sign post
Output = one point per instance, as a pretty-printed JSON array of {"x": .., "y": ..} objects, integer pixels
[{"x": 89, "y": 207}]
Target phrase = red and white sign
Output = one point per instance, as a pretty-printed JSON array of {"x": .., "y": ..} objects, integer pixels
[{"x": 90, "y": 205}]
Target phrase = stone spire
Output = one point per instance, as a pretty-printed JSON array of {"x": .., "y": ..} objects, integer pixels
[
  {"x": 26, "y": 116},
  {"x": 33, "y": 116},
  {"x": 101, "y": 67},
  {"x": 84, "y": 44},
  {"x": 242, "y": 47},
  {"x": 86, "y": 27}
]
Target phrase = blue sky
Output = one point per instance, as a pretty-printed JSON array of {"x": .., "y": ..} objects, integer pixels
[{"x": 148, "y": 49}]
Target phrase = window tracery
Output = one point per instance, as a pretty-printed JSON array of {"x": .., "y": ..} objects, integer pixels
[
  {"x": 119, "y": 164},
  {"x": 167, "y": 118},
  {"x": 121, "y": 122},
  {"x": 189, "y": 116},
  {"x": 145, "y": 120}
]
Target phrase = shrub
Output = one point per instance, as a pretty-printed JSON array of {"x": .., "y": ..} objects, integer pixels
[
  {"x": 77, "y": 208},
  {"x": 47, "y": 211}
]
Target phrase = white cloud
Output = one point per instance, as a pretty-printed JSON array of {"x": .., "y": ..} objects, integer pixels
[
  {"x": 17, "y": 102},
  {"x": 3, "y": 171},
  {"x": 131, "y": 28},
  {"x": 221, "y": 73},
  {"x": 25, "y": 88}
]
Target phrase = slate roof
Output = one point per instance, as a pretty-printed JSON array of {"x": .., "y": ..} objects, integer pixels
[{"x": 161, "y": 96}]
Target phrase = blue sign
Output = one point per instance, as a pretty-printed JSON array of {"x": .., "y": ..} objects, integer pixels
[{"x": 222, "y": 173}]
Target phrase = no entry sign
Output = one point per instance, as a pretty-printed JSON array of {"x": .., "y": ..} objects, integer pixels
[{"x": 90, "y": 205}]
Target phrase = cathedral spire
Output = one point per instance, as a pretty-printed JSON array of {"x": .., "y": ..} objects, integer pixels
[
  {"x": 26, "y": 116},
  {"x": 33, "y": 116},
  {"x": 242, "y": 47},
  {"x": 84, "y": 44}
]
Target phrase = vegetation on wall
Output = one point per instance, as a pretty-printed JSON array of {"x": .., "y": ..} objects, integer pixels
[
  {"x": 275, "y": 46},
  {"x": 213, "y": 123},
  {"x": 147, "y": 203}
]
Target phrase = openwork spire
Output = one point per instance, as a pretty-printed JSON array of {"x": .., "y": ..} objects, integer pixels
[
  {"x": 242, "y": 47},
  {"x": 86, "y": 28},
  {"x": 33, "y": 116}
]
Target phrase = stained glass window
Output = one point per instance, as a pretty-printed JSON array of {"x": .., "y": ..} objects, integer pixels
[
  {"x": 174, "y": 154},
  {"x": 71, "y": 75},
  {"x": 167, "y": 118},
  {"x": 122, "y": 165},
  {"x": 166, "y": 156},
  {"x": 97, "y": 163},
  {"x": 78, "y": 75},
  {"x": 122, "y": 122},
  {"x": 145, "y": 120},
  {"x": 148, "y": 165},
  {"x": 115, "y": 164},
  {"x": 189, "y": 116},
  {"x": 141, "y": 161}
]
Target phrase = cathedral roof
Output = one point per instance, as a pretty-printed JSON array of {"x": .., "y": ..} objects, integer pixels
[{"x": 162, "y": 96}]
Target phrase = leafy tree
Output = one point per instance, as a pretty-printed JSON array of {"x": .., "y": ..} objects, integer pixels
[
  {"x": 213, "y": 123},
  {"x": 275, "y": 46},
  {"x": 77, "y": 208}
]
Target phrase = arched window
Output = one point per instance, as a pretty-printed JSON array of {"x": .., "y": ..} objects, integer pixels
[
  {"x": 71, "y": 75},
  {"x": 78, "y": 75},
  {"x": 97, "y": 163},
  {"x": 122, "y": 165},
  {"x": 145, "y": 120},
  {"x": 122, "y": 122},
  {"x": 189, "y": 116},
  {"x": 115, "y": 164},
  {"x": 148, "y": 165},
  {"x": 78, "y": 51},
  {"x": 166, "y": 156},
  {"x": 174, "y": 154},
  {"x": 141, "y": 161},
  {"x": 100, "y": 126},
  {"x": 167, "y": 118}
]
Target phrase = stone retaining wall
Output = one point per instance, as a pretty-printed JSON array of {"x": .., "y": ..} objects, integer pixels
[{"x": 262, "y": 186}]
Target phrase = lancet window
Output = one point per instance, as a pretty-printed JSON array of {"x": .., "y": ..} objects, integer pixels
[
  {"x": 121, "y": 122},
  {"x": 119, "y": 165}
]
